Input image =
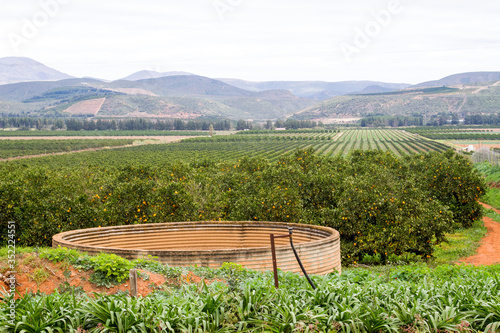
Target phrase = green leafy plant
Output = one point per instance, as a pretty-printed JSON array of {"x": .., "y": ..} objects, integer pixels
[{"x": 112, "y": 266}]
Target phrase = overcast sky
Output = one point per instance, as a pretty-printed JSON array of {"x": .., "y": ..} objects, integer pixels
[{"x": 332, "y": 40}]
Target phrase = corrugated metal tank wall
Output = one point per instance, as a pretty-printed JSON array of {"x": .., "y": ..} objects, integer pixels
[{"x": 210, "y": 244}]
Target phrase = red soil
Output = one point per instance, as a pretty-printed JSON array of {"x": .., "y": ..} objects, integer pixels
[
  {"x": 489, "y": 251},
  {"x": 27, "y": 264},
  {"x": 91, "y": 106}
]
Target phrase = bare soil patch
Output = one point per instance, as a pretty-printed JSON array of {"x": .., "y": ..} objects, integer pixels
[
  {"x": 91, "y": 106},
  {"x": 34, "y": 274}
]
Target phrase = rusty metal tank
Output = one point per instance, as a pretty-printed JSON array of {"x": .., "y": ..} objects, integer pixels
[{"x": 210, "y": 244}]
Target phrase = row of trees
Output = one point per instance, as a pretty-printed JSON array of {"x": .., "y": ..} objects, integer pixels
[
  {"x": 471, "y": 119},
  {"x": 295, "y": 124},
  {"x": 242, "y": 125},
  {"x": 415, "y": 120},
  {"x": 380, "y": 203},
  {"x": 79, "y": 124},
  {"x": 29, "y": 122},
  {"x": 388, "y": 121},
  {"x": 435, "y": 120},
  {"x": 482, "y": 119}
]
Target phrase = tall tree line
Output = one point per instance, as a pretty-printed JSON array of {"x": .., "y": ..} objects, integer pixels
[{"x": 78, "y": 124}]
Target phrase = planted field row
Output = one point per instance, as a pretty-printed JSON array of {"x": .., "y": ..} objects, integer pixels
[
  {"x": 296, "y": 131},
  {"x": 103, "y": 133},
  {"x": 15, "y": 148},
  {"x": 462, "y": 136},
  {"x": 235, "y": 147},
  {"x": 442, "y": 129},
  {"x": 396, "y": 141}
]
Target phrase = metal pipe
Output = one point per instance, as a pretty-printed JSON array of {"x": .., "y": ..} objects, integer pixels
[
  {"x": 290, "y": 231},
  {"x": 275, "y": 265}
]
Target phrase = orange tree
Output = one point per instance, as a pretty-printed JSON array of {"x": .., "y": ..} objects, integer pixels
[
  {"x": 451, "y": 179},
  {"x": 374, "y": 202},
  {"x": 387, "y": 215},
  {"x": 380, "y": 203}
]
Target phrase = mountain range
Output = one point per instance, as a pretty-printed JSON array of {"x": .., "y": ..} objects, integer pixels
[
  {"x": 478, "y": 98},
  {"x": 18, "y": 69},
  {"x": 31, "y": 88},
  {"x": 142, "y": 75}
]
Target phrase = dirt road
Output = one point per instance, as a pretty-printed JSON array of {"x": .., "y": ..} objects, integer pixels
[{"x": 489, "y": 251}]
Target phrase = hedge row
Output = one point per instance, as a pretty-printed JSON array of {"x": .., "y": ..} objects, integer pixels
[{"x": 379, "y": 202}]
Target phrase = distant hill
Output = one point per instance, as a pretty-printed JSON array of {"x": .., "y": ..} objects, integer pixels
[
  {"x": 408, "y": 102},
  {"x": 318, "y": 90},
  {"x": 201, "y": 97},
  {"x": 375, "y": 90},
  {"x": 26, "y": 90},
  {"x": 142, "y": 75},
  {"x": 462, "y": 79},
  {"x": 188, "y": 96},
  {"x": 183, "y": 85},
  {"x": 18, "y": 69},
  {"x": 170, "y": 97}
]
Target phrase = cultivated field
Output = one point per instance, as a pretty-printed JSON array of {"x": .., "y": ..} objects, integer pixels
[
  {"x": 459, "y": 138},
  {"x": 27, "y": 146},
  {"x": 390, "y": 207},
  {"x": 270, "y": 145}
]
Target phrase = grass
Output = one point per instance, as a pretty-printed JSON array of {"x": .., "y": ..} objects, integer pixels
[
  {"x": 492, "y": 197},
  {"x": 40, "y": 275},
  {"x": 490, "y": 172},
  {"x": 30, "y": 260},
  {"x": 461, "y": 244},
  {"x": 4, "y": 251}
]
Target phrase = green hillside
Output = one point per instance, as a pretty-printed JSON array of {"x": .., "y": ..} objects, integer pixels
[
  {"x": 188, "y": 107},
  {"x": 410, "y": 102},
  {"x": 183, "y": 85},
  {"x": 26, "y": 90},
  {"x": 183, "y": 97},
  {"x": 192, "y": 96}
]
